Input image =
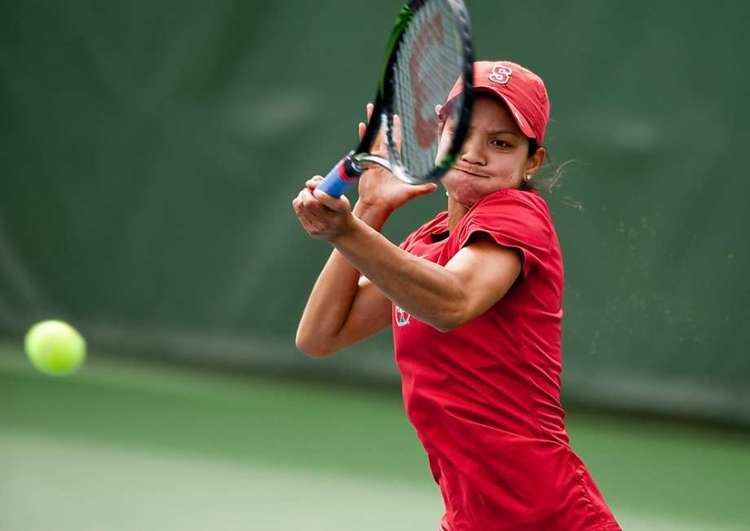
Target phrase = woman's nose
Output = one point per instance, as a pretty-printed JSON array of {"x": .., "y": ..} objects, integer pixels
[{"x": 472, "y": 152}]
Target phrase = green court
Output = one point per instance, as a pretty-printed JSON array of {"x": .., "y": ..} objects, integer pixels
[{"x": 142, "y": 446}]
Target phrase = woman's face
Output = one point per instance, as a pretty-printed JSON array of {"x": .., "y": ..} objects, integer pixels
[{"x": 494, "y": 155}]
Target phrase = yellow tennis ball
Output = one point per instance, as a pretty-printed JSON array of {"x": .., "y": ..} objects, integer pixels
[{"x": 55, "y": 347}]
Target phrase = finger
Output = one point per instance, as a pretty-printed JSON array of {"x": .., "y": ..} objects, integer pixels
[
  {"x": 305, "y": 204},
  {"x": 304, "y": 216},
  {"x": 317, "y": 217},
  {"x": 423, "y": 189},
  {"x": 308, "y": 201},
  {"x": 361, "y": 130},
  {"x": 311, "y": 222},
  {"x": 312, "y": 211},
  {"x": 319, "y": 206},
  {"x": 368, "y": 110},
  {"x": 337, "y": 204},
  {"x": 313, "y": 182},
  {"x": 297, "y": 202},
  {"x": 309, "y": 225},
  {"x": 326, "y": 200}
]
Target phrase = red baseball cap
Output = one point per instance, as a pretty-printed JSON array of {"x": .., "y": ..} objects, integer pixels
[{"x": 521, "y": 89}]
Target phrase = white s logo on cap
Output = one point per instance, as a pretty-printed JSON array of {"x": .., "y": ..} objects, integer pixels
[{"x": 500, "y": 74}]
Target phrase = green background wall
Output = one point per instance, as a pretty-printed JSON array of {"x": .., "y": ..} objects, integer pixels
[{"x": 149, "y": 153}]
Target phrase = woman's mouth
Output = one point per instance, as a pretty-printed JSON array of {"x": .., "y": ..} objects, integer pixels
[{"x": 471, "y": 172}]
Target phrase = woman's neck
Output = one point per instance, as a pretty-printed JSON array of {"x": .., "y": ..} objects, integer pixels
[{"x": 455, "y": 212}]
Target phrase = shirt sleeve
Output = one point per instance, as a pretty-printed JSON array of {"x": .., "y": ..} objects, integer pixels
[
  {"x": 512, "y": 218},
  {"x": 407, "y": 243},
  {"x": 421, "y": 232}
]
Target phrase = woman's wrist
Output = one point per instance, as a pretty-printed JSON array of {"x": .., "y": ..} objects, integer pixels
[{"x": 375, "y": 216}]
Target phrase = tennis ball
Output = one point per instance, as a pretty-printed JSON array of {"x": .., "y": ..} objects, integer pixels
[{"x": 55, "y": 347}]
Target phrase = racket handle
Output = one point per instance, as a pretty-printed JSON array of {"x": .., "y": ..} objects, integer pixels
[{"x": 343, "y": 175}]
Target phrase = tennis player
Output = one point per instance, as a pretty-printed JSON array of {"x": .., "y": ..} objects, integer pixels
[{"x": 474, "y": 298}]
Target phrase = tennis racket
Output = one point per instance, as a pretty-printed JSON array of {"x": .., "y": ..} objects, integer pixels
[{"x": 429, "y": 53}]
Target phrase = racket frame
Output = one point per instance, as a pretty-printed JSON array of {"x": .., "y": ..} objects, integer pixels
[
  {"x": 351, "y": 167},
  {"x": 388, "y": 88}
]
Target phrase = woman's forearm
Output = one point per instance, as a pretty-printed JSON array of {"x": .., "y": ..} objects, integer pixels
[
  {"x": 424, "y": 289},
  {"x": 333, "y": 295}
]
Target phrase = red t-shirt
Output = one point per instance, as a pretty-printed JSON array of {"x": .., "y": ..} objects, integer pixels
[{"x": 485, "y": 397}]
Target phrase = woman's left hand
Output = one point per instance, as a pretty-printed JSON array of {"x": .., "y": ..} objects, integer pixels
[{"x": 323, "y": 217}]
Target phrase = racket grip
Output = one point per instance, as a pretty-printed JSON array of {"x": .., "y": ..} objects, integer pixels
[{"x": 343, "y": 175}]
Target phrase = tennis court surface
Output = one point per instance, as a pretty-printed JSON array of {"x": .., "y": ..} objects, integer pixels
[{"x": 125, "y": 446}]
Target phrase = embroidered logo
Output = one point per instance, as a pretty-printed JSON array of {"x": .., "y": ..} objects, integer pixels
[
  {"x": 500, "y": 74},
  {"x": 402, "y": 318}
]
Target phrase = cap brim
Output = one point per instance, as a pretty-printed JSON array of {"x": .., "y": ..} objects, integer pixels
[{"x": 522, "y": 123}]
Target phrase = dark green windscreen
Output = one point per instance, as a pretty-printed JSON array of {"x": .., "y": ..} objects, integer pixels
[{"x": 149, "y": 153}]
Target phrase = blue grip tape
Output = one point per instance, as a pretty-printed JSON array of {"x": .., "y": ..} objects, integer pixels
[{"x": 337, "y": 181}]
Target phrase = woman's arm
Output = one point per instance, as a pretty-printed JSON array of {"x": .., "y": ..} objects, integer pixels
[
  {"x": 446, "y": 297},
  {"x": 442, "y": 296},
  {"x": 343, "y": 307}
]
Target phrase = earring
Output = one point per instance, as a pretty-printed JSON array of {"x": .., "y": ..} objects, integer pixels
[{"x": 527, "y": 177}]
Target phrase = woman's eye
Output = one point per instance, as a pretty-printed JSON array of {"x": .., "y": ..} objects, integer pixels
[{"x": 501, "y": 143}]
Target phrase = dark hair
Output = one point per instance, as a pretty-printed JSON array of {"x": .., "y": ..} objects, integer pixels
[
  {"x": 545, "y": 184},
  {"x": 533, "y": 146}
]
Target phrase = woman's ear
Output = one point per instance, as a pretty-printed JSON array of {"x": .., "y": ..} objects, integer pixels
[{"x": 535, "y": 161}]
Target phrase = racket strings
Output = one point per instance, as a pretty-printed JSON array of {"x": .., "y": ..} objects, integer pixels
[{"x": 429, "y": 61}]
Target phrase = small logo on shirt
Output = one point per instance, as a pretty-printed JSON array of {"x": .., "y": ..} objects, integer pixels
[
  {"x": 500, "y": 74},
  {"x": 402, "y": 318}
]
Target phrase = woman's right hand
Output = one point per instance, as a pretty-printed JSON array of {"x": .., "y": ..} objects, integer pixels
[{"x": 379, "y": 189}]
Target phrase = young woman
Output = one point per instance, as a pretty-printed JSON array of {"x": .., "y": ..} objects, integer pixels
[{"x": 474, "y": 297}]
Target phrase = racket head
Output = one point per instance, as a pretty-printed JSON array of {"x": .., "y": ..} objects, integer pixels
[{"x": 431, "y": 58}]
